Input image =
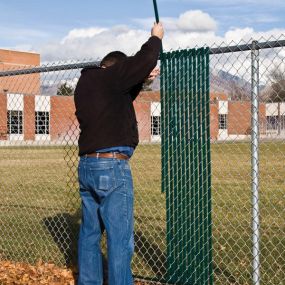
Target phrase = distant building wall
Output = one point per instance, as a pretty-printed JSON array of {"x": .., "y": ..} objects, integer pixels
[
  {"x": 142, "y": 107},
  {"x": 3, "y": 116},
  {"x": 63, "y": 123},
  {"x": 29, "y": 117},
  {"x": 14, "y": 60},
  {"x": 214, "y": 121},
  {"x": 239, "y": 118},
  {"x": 45, "y": 119}
]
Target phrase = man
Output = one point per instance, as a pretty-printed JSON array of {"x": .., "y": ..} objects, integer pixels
[{"x": 104, "y": 108}]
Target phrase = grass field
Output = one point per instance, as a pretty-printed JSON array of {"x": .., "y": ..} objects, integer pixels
[{"x": 39, "y": 214}]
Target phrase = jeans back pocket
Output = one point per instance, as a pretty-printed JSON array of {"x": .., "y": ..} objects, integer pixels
[{"x": 102, "y": 178}]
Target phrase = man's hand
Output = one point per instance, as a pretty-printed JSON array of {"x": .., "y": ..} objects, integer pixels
[
  {"x": 157, "y": 30},
  {"x": 153, "y": 74}
]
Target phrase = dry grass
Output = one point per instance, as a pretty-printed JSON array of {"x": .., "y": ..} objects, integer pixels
[{"x": 39, "y": 205}]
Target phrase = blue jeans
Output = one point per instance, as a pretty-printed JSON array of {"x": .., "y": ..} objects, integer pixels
[{"x": 106, "y": 190}]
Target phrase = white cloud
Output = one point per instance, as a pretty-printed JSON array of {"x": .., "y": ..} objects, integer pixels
[
  {"x": 83, "y": 33},
  {"x": 190, "y": 21},
  {"x": 190, "y": 29},
  {"x": 237, "y": 34},
  {"x": 84, "y": 44},
  {"x": 95, "y": 42},
  {"x": 196, "y": 21}
]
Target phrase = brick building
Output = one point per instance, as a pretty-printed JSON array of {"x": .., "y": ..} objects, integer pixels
[
  {"x": 51, "y": 118},
  {"x": 27, "y": 116},
  {"x": 10, "y": 107},
  {"x": 14, "y": 60}
]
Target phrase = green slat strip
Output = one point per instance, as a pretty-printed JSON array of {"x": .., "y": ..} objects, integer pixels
[
  {"x": 172, "y": 191},
  {"x": 195, "y": 167},
  {"x": 199, "y": 170},
  {"x": 175, "y": 166},
  {"x": 175, "y": 196},
  {"x": 192, "y": 190},
  {"x": 179, "y": 162},
  {"x": 164, "y": 125},
  {"x": 209, "y": 171},
  {"x": 204, "y": 174},
  {"x": 183, "y": 165},
  {"x": 186, "y": 168}
]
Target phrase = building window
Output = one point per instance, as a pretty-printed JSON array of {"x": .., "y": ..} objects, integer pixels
[
  {"x": 223, "y": 121},
  {"x": 273, "y": 122},
  {"x": 42, "y": 123},
  {"x": 15, "y": 122},
  {"x": 155, "y": 126}
]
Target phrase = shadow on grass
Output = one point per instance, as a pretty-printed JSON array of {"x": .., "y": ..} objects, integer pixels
[
  {"x": 151, "y": 254},
  {"x": 220, "y": 272},
  {"x": 64, "y": 229},
  {"x": 156, "y": 260}
]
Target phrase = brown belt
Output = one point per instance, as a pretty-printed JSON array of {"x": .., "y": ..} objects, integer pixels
[{"x": 107, "y": 155}]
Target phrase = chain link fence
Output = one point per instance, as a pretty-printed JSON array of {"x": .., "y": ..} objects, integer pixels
[{"x": 210, "y": 216}]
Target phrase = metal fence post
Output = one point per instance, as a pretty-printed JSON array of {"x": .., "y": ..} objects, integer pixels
[{"x": 255, "y": 161}]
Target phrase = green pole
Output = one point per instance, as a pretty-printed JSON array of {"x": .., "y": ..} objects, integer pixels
[
  {"x": 155, "y": 11},
  {"x": 156, "y": 16}
]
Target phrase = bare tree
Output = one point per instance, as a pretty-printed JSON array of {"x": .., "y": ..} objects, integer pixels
[
  {"x": 277, "y": 94},
  {"x": 65, "y": 90},
  {"x": 277, "y": 78},
  {"x": 238, "y": 93}
]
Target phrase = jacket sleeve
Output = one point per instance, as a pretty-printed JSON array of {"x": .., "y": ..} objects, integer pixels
[{"x": 136, "y": 68}]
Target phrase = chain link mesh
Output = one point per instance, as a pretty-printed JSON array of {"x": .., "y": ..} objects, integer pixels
[{"x": 40, "y": 207}]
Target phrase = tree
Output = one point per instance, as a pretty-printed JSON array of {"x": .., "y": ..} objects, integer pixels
[
  {"x": 65, "y": 90},
  {"x": 238, "y": 93},
  {"x": 147, "y": 85},
  {"x": 277, "y": 92},
  {"x": 277, "y": 78}
]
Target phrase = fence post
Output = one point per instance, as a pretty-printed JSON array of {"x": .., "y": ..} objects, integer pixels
[{"x": 255, "y": 161}]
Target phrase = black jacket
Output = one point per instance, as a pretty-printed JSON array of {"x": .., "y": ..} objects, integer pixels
[{"x": 104, "y": 100}]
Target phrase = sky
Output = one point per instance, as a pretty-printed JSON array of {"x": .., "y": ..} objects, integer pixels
[{"x": 64, "y": 30}]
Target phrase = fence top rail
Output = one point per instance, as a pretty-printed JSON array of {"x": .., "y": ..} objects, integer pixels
[
  {"x": 42, "y": 69},
  {"x": 248, "y": 47},
  {"x": 218, "y": 50}
]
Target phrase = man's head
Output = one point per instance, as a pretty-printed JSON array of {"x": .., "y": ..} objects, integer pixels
[{"x": 112, "y": 58}]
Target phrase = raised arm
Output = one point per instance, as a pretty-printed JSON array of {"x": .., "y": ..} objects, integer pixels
[{"x": 135, "y": 69}]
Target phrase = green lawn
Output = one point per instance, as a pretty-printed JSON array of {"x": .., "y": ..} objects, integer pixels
[{"x": 39, "y": 214}]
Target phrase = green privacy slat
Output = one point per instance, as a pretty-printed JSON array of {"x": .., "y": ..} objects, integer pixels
[
  {"x": 200, "y": 189},
  {"x": 185, "y": 141},
  {"x": 209, "y": 171},
  {"x": 183, "y": 160},
  {"x": 173, "y": 225},
  {"x": 191, "y": 256},
  {"x": 175, "y": 167},
  {"x": 203, "y": 190},
  {"x": 188, "y": 152},
  {"x": 195, "y": 162},
  {"x": 179, "y": 163},
  {"x": 204, "y": 173},
  {"x": 163, "y": 72}
]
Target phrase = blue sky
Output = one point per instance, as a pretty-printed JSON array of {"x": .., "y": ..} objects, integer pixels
[{"x": 49, "y": 26}]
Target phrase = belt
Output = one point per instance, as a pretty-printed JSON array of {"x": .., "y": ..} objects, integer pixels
[{"x": 107, "y": 155}]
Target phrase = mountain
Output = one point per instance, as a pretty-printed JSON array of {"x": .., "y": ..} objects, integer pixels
[{"x": 234, "y": 86}]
